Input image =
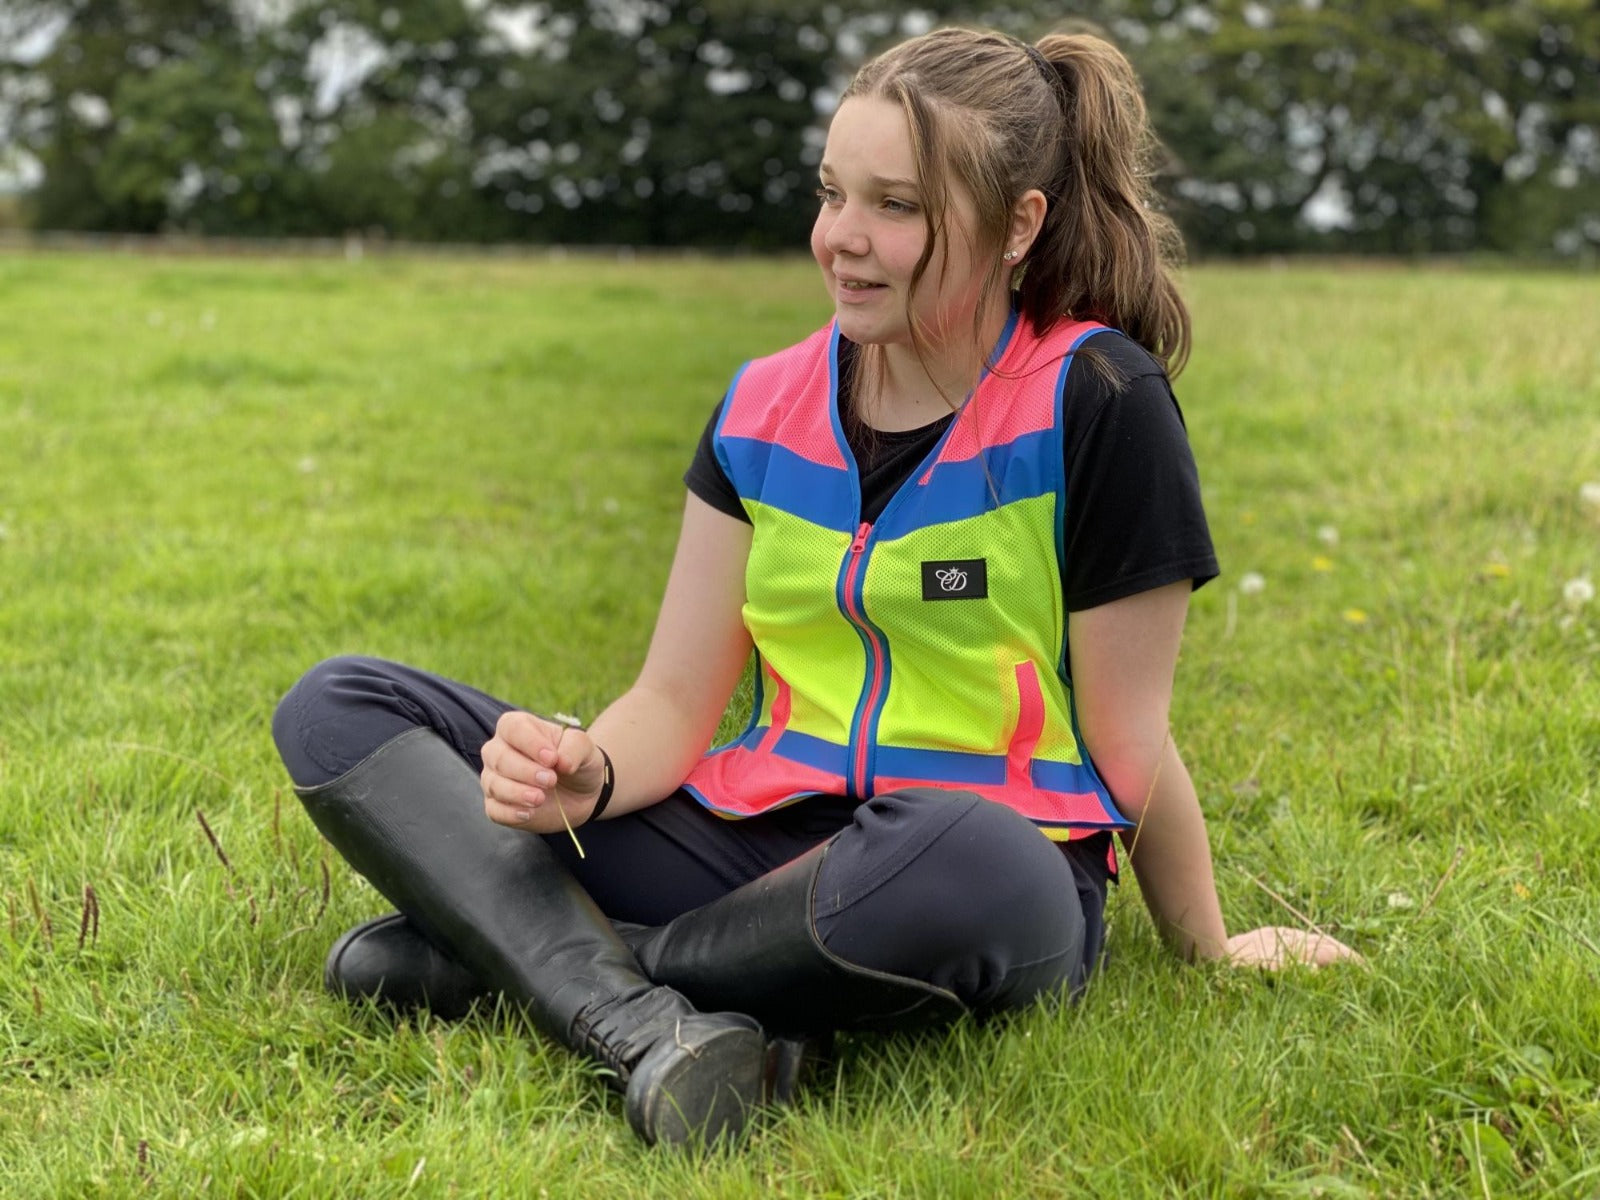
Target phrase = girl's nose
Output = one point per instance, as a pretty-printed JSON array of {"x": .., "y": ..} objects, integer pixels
[{"x": 845, "y": 233}]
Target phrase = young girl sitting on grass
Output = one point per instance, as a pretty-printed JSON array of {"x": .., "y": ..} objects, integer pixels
[{"x": 958, "y": 526}]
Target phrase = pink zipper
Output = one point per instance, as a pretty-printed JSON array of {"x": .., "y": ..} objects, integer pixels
[{"x": 857, "y": 549}]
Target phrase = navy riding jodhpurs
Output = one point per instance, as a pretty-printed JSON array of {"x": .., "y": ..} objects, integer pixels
[{"x": 928, "y": 883}]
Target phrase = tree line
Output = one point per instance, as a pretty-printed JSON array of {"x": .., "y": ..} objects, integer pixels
[{"x": 1290, "y": 125}]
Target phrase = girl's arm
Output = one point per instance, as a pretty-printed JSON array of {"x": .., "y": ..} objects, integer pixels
[
  {"x": 656, "y": 730},
  {"x": 1123, "y": 658}
]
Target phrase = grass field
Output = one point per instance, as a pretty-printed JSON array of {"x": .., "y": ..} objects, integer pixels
[{"x": 214, "y": 473}]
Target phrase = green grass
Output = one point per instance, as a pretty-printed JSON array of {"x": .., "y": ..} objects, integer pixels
[{"x": 214, "y": 473}]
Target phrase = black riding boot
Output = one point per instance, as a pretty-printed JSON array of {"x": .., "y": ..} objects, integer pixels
[
  {"x": 409, "y": 818},
  {"x": 754, "y": 950},
  {"x": 757, "y": 950},
  {"x": 389, "y": 960}
]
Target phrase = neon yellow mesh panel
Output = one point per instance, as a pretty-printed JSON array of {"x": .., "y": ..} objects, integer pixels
[
  {"x": 976, "y": 643},
  {"x": 790, "y": 603}
]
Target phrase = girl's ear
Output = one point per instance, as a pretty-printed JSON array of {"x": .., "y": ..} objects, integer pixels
[{"x": 1027, "y": 218}]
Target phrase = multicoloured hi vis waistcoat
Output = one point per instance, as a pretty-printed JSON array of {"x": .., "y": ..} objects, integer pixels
[{"x": 927, "y": 648}]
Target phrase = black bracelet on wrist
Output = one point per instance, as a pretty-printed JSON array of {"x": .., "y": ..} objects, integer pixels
[{"x": 608, "y": 783}]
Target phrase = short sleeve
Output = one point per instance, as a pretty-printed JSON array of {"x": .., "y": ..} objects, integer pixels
[
  {"x": 707, "y": 479},
  {"x": 1134, "y": 518}
]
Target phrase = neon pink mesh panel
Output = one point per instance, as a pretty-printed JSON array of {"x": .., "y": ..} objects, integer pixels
[
  {"x": 746, "y": 782},
  {"x": 764, "y": 408},
  {"x": 1018, "y": 398}
]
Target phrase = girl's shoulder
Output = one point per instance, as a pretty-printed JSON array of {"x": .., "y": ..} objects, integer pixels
[{"x": 1115, "y": 349}]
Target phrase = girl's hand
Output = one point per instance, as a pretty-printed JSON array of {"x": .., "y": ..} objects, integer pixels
[
  {"x": 534, "y": 769},
  {"x": 1273, "y": 947}
]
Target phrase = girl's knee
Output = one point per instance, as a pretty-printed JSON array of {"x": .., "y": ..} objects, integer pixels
[
  {"x": 318, "y": 724},
  {"x": 954, "y": 889},
  {"x": 296, "y": 706}
]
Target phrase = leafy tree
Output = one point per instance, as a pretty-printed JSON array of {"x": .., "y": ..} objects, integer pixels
[
  {"x": 197, "y": 147},
  {"x": 1407, "y": 128},
  {"x": 1292, "y": 124},
  {"x": 392, "y": 145},
  {"x": 105, "y": 75},
  {"x": 671, "y": 122}
]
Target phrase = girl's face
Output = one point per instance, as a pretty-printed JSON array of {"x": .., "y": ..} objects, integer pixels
[{"x": 870, "y": 233}]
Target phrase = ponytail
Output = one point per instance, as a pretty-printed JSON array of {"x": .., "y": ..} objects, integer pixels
[{"x": 1105, "y": 252}]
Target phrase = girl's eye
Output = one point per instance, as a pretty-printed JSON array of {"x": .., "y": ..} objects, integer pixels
[
  {"x": 828, "y": 195},
  {"x": 899, "y": 208}
]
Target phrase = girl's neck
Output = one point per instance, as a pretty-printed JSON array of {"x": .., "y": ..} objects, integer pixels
[{"x": 911, "y": 392}]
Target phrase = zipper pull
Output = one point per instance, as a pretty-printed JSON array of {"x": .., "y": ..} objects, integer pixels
[{"x": 860, "y": 544}]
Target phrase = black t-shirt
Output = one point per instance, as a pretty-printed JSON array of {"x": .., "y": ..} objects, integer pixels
[{"x": 1133, "y": 517}]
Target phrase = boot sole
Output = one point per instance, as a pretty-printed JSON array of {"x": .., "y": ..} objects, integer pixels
[{"x": 698, "y": 1090}]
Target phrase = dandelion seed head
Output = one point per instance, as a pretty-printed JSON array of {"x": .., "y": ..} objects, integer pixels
[
  {"x": 1578, "y": 592},
  {"x": 1328, "y": 535},
  {"x": 1252, "y": 583},
  {"x": 1400, "y": 900},
  {"x": 1589, "y": 493},
  {"x": 306, "y": 465},
  {"x": 610, "y": 506}
]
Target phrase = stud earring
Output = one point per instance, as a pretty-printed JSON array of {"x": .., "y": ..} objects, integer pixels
[{"x": 1009, "y": 255}]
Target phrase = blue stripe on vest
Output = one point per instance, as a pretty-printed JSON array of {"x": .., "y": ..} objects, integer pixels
[
  {"x": 777, "y": 476},
  {"x": 1022, "y": 469},
  {"x": 944, "y": 766},
  {"x": 1061, "y": 483},
  {"x": 812, "y": 752},
  {"x": 947, "y": 766}
]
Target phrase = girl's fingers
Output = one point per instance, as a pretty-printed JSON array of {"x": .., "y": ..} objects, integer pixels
[
  {"x": 571, "y": 750},
  {"x": 501, "y": 759},
  {"x": 509, "y": 792},
  {"x": 1326, "y": 950},
  {"x": 534, "y": 738},
  {"x": 501, "y": 813},
  {"x": 1275, "y": 947},
  {"x": 523, "y": 777}
]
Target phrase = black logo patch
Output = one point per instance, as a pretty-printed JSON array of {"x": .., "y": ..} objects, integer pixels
[{"x": 957, "y": 579}]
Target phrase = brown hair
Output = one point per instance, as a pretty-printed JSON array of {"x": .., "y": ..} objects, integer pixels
[{"x": 1066, "y": 117}]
